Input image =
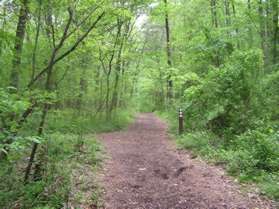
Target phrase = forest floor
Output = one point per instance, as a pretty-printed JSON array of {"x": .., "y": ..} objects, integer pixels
[{"x": 144, "y": 170}]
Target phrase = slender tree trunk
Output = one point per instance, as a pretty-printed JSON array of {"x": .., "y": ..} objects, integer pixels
[
  {"x": 38, "y": 27},
  {"x": 268, "y": 31},
  {"x": 107, "y": 96},
  {"x": 3, "y": 26},
  {"x": 236, "y": 28},
  {"x": 251, "y": 35},
  {"x": 275, "y": 39},
  {"x": 119, "y": 65},
  {"x": 214, "y": 19},
  {"x": 83, "y": 88},
  {"x": 19, "y": 38},
  {"x": 227, "y": 13},
  {"x": 169, "y": 55},
  {"x": 48, "y": 87},
  {"x": 46, "y": 107},
  {"x": 115, "y": 89},
  {"x": 35, "y": 147},
  {"x": 262, "y": 21}
]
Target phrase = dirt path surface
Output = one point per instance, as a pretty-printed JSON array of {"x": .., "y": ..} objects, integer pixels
[{"x": 145, "y": 171}]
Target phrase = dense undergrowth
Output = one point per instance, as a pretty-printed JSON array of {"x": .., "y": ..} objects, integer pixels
[
  {"x": 231, "y": 113},
  {"x": 252, "y": 156},
  {"x": 67, "y": 143}
]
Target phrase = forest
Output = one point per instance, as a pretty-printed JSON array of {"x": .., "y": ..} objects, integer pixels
[{"x": 72, "y": 69}]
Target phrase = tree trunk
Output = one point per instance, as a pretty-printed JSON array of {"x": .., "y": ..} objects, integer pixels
[
  {"x": 107, "y": 96},
  {"x": 227, "y": 13},
  {"x": 38, "y": 27},
  {"x": 275, "y": 39},
  {"x": 214, "y": 13},
  {"x": 262, "y": 20},
  {"x": 169, "y": 55},
  {"x": 214, "y": 19},
  {"x": 20, "y": 34},
  {"x": 3, "y": 26},
  {"x": 35, "y": 147},
  {"x": 251, "y": 35},
  {"x": 236, "y": 28}
]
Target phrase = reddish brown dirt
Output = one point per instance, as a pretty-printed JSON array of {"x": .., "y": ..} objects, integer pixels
[{"x": 145, "y": 171}]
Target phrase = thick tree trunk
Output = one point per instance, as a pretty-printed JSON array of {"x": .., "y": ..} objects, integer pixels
[{"x": 20, "y": 34}]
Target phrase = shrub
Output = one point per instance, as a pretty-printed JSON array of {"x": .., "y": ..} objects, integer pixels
[{"x": 228, "y": 96}]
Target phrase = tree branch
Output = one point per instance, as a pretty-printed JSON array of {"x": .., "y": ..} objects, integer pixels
[{"x": 69, "y": 51}]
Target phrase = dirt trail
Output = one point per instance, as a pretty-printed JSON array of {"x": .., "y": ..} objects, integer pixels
[{"x": 145, "y": 171}]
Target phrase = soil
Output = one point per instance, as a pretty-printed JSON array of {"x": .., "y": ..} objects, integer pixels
[{"x": 144, "y": 170}]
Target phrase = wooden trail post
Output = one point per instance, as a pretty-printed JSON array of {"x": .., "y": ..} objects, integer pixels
[{"x": 180, "y": 122}]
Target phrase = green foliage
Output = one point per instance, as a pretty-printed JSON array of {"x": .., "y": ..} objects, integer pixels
[
  {"x": 228, "y": 96},
  {"x": 80, "y": 73},
  {"x": 251, "y": 156},
  {"x": 67, "y": 121},
  {"x": 260, "y": 149},
  {"x": 54, "y": 188}
]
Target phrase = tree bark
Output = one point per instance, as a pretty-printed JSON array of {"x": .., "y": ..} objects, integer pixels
[
  {"x": 46, "y": 107},
  {"x": 169, "y": 54},
  {"x": 262, "y": 22},
  {"x": 227, "y": 13},
  {"x": 19, "y": 38},
  {"x": 236, "y": 28},
  {"x": 38, "y": 27},
  {"x": 214, "y": 19},
  {"x": 251, "y": 35},
  {"x": 275, "y": 39}
]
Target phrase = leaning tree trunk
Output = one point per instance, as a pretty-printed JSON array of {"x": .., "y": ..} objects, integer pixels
[
  {"x": 46, "y": 107},
  {"x": 20, "y": 34}
]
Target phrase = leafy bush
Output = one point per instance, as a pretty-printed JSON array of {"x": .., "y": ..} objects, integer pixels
[
  {"x": 228, "y": 97},
  {"x": 67, "y": 120},
  {"x": 196, "y": 141},
  {"x": 257, "y": 151},
  {"x": 53, "y": 189},
  {"x": 251, "y": 156}
]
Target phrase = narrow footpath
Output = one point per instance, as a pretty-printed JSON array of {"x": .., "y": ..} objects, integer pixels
[{"x": 145, "y": 171}]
